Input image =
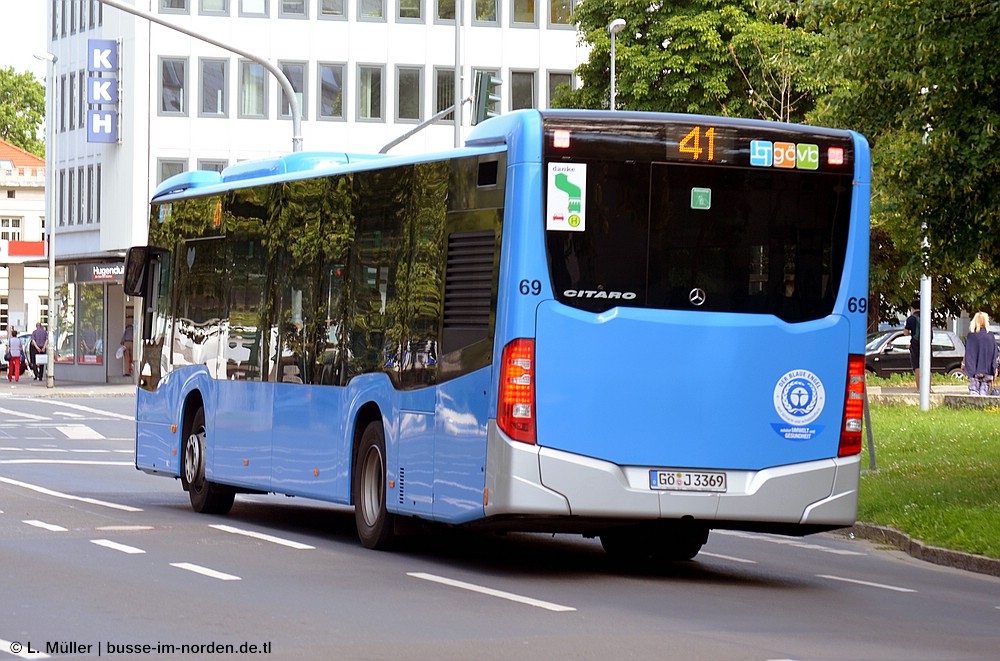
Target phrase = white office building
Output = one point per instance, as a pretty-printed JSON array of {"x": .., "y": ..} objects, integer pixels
[{"x": 134, "y": 102}]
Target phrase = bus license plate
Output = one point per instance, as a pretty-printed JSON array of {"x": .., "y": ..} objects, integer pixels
[{"x": 680, "y": 480}]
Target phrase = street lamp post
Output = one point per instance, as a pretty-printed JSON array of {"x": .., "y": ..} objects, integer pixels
[
  {"x": 50, "y": 171},
  {"x": 614, "y": 27}
]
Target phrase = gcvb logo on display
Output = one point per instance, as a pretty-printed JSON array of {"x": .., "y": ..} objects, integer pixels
[{"x": 799, "y": 399}]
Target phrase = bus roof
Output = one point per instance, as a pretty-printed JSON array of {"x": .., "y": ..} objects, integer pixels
[{"x": 493, "y": 135}]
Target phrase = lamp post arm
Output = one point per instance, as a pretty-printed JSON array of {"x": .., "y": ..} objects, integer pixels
[{"x": 286, "y": 85}]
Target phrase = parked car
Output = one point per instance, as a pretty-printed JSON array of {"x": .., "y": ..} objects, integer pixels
[
  {"x": 888, "y": 352},
  {"x": 26, "y": 341}
]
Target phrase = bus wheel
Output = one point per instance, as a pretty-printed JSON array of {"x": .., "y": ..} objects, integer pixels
[
  {"x": 374, "y": 522},
  {"x": 206, "y": 497}
]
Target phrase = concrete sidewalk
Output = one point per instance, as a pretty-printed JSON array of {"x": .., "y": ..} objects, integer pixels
[{"x": 28, "y": 387}]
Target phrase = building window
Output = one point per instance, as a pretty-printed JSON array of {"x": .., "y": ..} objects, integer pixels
[
  {"x": 4, "y": 314},
  {"x": 215, "y": 7},
  {"x": 82, "y": 123},
  {"x": 444, "y": 11},
  {"x": 81, "y": 196},
  {"x": 97, "y": 195},
  {"x": 96, "y": 13},
  {"x": 370, "y": 92},
  {"x": 332, "y": 9},
  {"x": 72, "y": 102},
  {"x": 70, "y": 203},
  {"x": 91, "y": 327},
  {"x": 331, "y": 91},
  {"x": 91, "y": 197},
  {"x": 253, "y": 8},
  {"x": 253, "y": 90},
  {"x": 561, "y": 13},
  {"x": 410, "y": 11},
  {"x": 173, "y": 86},
  {"x": 61, "y": 198},
  {"x": 10, "y": 229},
  {"x": 214, "y": 76},
  {"x": 212, "y": 165},
  {"x": 522, "y": 89},
  {"x": 174, "y": 6},
  {"x": 168, "y": 167},
  {"x": 43, "y": 310},
  {"x": 408, "y": 96},
  {"x": 62, "y": 103},
  {"x": 293, "y": 9},
  {"x": 557, "y": 78},
  {"x": 486, "y": 12},
  {"x": 444, "y": 92},
  {"x": 296, "y": 74},
  {"x": 371, "y": 10},
  {"x": 522, "y": 13}
]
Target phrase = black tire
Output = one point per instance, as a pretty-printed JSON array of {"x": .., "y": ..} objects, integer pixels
[
  {"x": 376, "y": 526},
  {"x": 671, "y": 542},
  {"x": 206, "y": 497}
]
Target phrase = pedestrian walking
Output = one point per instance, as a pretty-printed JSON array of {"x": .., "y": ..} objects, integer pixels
[
  {"x": 15, "y": 351},
  {"x": 980, "y": 362}
]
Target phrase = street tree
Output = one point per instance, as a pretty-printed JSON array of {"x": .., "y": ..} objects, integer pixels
[
  {"x": 22, "y": 110},
  {"x": 741, "y": 58},
  {"x": 920, "y": 79}
]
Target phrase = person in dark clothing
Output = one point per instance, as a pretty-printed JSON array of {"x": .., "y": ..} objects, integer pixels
[
  {"x": 980, "y": 363},
  {"x": 912, "y": 328},
  {"x": 39, "y": 346}
]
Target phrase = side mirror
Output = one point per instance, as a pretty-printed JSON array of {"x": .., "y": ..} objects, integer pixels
[{"x": 136, "y": 270}]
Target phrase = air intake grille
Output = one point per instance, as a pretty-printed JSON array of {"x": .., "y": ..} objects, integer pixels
[{"x": 468, "y": 286}]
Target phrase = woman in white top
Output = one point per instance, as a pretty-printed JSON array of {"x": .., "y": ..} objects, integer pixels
[{"x": 16, "y": 349}]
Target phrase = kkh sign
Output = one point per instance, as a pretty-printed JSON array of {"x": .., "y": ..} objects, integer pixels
[{"x": 102, "y": 90}]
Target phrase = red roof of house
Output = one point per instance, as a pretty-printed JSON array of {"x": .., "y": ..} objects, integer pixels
[{"x": 24, "y": 162}]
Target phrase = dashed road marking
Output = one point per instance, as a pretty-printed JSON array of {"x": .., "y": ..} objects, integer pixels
[
  {"x": 124, "y": 548},
  {"x": 870, "y": 584},
  {"x": 261, "y": 536},
  {"x": 80, "y": 432},
  {"x": 510, "y": 596},
  {"x": 205, "y": 571},
  {"x": 67, "y": 496},
  {"x": 44, "y": 526},
  {"x": 728, "y": 557}
]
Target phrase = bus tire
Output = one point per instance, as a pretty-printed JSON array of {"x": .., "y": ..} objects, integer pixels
[
  {"x": 374, "y": 522},
  {"x": 206, "y": 497}
]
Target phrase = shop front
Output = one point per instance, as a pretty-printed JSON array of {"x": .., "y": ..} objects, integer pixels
[{"x": 92, "y": 313}]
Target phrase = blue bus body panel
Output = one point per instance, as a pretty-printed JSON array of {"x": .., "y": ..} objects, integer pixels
[{"x": 684, "y": 389}]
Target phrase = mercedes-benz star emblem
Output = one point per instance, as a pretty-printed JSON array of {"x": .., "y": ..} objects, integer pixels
[{"x": 697, "y": 296}]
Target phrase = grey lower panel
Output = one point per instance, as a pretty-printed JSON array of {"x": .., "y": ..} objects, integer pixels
[{"x": 528, "y": 480}]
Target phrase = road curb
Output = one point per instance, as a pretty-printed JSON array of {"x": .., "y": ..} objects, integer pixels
[{"x": 979, "y": 564}]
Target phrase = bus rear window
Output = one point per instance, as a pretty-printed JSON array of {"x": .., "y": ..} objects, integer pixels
[{"x": 682, "y": 237}]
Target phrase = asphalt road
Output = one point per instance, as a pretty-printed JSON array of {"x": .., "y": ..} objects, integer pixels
[{"x": 100, "y": 560}]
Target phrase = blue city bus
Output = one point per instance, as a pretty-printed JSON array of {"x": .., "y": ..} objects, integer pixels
[{"x": 625, "y": 325}]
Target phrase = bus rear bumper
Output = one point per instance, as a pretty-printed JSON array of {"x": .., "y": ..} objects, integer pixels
[{"x": 527, "y": 480}]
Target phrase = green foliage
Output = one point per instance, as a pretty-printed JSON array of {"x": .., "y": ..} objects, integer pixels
[
  {"x": 719, "y": 57},
  {"x": 936, "y": 477},
  {"x": 22, "y": 110},
  {"x": 919, "y": 79}
]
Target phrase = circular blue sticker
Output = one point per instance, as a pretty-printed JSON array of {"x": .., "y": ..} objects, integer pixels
[{"x": 799, "y": 397}]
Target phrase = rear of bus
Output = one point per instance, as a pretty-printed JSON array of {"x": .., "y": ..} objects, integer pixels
[{"x": 684, "y": 329}]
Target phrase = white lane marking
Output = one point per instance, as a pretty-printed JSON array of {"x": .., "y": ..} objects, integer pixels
[
  {"x": 44, "y": 526},
  {"x": 261, "y": 536},
  {"x": 68, "y": 450},
  {"x": 77, "y": 462},
  {"x": 87, "y": 409},
  {"x": 80, "y": 432},
  {"x": 728, "y": 557},
  {"x": 57, "y": 494},
  {"x": 67, "y": 414},
  {"x": 491, "y": 592},
  {"x": 785, "y": 542},
  {"x": 20, "y": 414},
  {"x": 21, "y": 653},
  {"x": 124, "y": 528},
  {"x": 205, "y": 571},
  {"x": 865, "y": 583},
  {"x": 124, "y": 548}
]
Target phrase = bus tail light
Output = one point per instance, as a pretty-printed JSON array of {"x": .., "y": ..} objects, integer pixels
[
  {"x": 854, "y": 407},
  {"x": 516, "y": 410}
]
